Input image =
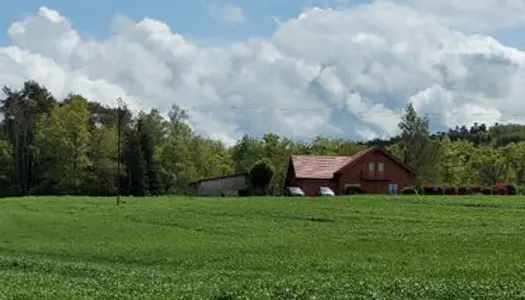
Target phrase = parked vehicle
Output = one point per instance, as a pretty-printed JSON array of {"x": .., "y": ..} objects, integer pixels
[
  {"x": 324, "y": 191},
  {"x": 293, "y": 191},
  {"x": 354, "y": 189}
]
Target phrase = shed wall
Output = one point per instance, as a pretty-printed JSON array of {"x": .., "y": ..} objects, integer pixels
[{"x": 216, "y": 187}]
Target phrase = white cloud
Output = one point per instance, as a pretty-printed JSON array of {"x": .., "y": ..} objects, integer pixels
[
  {"x": 473, "y": 14},
  {"x": 227, "y": 13},
  {"x": 333, "y": 72}
]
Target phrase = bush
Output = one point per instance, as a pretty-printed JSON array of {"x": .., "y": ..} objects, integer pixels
[
  {"x": 475, "y": 189},
  {"x": 463, "y": 190},
  {"x": 512, "y": 189},
  {"x": 261, "y": 174},
  {"x": 409, "y": 190},
  {"x": 520, "y": 190},
  {"x": 450, "y": 190},
  {"x": 486, "y": 190},
  {"x": 354, "y": 189},
  {"x": 432, "y": 190}
]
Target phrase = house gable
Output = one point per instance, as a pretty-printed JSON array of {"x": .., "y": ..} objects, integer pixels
[{"x": 360, "y": 155}]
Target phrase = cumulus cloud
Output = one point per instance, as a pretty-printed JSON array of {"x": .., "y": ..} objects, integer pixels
[
  {"x": 226, "y": 12},
  {"x": 339, "y": 72}
]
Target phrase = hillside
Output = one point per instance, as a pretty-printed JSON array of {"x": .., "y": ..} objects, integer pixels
[{"x": 275, "y": 248}]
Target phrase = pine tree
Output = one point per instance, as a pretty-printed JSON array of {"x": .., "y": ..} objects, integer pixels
[
  {"x": 135, "y": 164},
  {"x": 153, "y": 181}
]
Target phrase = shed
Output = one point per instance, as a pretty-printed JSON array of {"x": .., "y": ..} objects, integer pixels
[
  {"x": 235, "y": 184},
  {"x": 375, "y": 170}
]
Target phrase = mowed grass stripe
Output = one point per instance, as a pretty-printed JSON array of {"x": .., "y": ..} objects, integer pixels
[{"x": 263, "y": 248}]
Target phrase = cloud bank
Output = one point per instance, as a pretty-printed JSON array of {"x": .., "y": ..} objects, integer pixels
[{"x": 346, "y": 72}]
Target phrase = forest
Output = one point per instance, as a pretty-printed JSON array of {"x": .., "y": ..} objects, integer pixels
[{"x": 69, "y": 146}]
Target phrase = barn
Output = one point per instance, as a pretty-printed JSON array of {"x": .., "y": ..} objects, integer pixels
[
  {"x": 374, "y": 170},
  {"x": 229, "y": 185}
]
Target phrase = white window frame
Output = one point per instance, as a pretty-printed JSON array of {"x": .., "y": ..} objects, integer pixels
[{"x": 380, "y": 167}]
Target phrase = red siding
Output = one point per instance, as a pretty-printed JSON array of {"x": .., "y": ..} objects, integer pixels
[
  {"x": 373, "y": 182},
  {"x": 376, "y": 183}
]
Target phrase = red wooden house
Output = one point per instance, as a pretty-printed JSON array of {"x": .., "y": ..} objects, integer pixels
[{"x": 375, "y": 170}]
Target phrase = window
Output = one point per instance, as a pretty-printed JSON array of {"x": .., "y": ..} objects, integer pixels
[
  {"x": 371, "y": 169},
  {"x": 380, "y": 169}
]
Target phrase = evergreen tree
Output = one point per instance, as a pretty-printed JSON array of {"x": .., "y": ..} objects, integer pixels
[
  {"x": 153, "y": 182},
  {"x": 135, "y": 163}
]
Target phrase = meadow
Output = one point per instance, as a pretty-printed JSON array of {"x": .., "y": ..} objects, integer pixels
[{"x": 263, "y": 248}]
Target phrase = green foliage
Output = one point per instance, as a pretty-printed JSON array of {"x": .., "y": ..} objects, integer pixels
[
  {"x": 490, "y": 165},
  {"x": 419, "y": 150},
  {"x": 51, "y": 147},
  {"x": 62, "y": 140},
  {"x": 135, "y": 163},
  {"x": 6, "y": 164},
  {"x": 261, "y": 174},
  {"x": 263, "y": 248}
]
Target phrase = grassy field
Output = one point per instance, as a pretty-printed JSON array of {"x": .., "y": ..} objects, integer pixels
[{"x": 274, "y": 248}]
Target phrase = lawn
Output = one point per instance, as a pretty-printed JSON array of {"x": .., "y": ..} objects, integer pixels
[{"x": 255, "y": 248}]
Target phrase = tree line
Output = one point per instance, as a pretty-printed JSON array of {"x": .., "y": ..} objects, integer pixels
[{"x": 69, "y": 147}]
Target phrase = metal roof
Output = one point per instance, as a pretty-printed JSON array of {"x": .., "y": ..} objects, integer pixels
[
  {"x": 318, "y": 167},
  {"x": 325, "y": 167},
  {"x": 219, "y": 178}
]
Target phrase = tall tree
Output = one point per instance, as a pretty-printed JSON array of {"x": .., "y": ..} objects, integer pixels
[
  {"x": 490, "y": 165},
  {"x": 246, "y": 152},
  {"x": 6, "y": 158},
  {"x": 419, "y": 150},
  {"x": 515, "y": 154},
  {"x": 133, "y": 159},
  {"x": 453, "y": 163},
  {"x": 21, "y": 110},
  {"x": 103, "y": 155},
  {"x": 147, "y": 141},
  {"x": 62, "y": 141}
]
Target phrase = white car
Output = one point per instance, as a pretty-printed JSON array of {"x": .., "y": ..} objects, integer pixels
[{"x": 324, "y": 191}]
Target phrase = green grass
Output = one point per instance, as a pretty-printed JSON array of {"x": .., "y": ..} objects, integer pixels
[{"x": 274, "y": 248}]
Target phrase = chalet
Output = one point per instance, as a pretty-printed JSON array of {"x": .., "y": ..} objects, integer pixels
[{"x": 374, "y": 170}]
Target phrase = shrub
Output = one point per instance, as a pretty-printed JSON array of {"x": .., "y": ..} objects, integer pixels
[
  {"x": 432, "y": 190},
  {"x": 463, "y": 190},
  {"x": 450, "y": 190},
  {"x": 353, "y": 189},
  {"x": 512, "y": 189},
  {"x": 475, "y": 189},
  {"x": 261, "y": 174},
  {"x": 486, "y": 190},
  {"x": 409, "y": 190},
  {"x": 521, "y": 190}
]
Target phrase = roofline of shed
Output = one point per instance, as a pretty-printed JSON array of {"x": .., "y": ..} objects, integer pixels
[{"x": 244, "y": 174}]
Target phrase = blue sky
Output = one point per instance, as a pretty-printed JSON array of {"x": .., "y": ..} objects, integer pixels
[
  {"x": 184, "y": 16},
  {"x": 367, "y": 74},
  {"x": 190, "y": 18}
]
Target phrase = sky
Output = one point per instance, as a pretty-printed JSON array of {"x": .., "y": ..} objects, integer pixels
[{"x": 337, "y": 68}]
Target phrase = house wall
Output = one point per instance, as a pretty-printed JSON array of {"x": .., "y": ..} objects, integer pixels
[
  {"x": 358, "y": 173},
  {"x": 216, "y": 187},
  {"x": 309, "y": 186}
]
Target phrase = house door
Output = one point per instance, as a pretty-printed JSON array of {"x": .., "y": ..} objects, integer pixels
[{"x": 392, "y": 188}]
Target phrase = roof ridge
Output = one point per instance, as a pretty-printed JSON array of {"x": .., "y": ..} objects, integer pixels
[{"x": 315, "y": 155}]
